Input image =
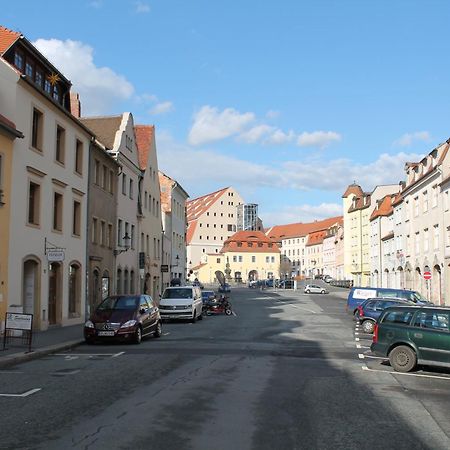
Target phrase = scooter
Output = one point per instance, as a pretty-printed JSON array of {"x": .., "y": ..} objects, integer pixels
[{"x": 219, "y": 306}]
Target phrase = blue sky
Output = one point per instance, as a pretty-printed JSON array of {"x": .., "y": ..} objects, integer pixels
[{"x": 287, "y": 101}]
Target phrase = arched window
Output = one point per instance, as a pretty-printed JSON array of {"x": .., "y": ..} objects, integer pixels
[
  {"x": 119, "y": 282},
  {"x": 132, "y": 282},
  {"x": 125, "y": 282}
]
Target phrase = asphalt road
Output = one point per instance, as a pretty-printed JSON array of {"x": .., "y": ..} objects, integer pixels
[{"x": 289, "y": 371}]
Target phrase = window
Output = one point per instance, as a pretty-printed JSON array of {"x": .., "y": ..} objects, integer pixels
[
  {"x": 218, "y": 260},
  {"x": 253, "y": 259},
  {"x": 273, "y": 259},
  {"x": 47, "y": 86},
  {"x": 56, "y": 93},
  {"x": 132, "y": 236},
  {"x": 426, "y": 240},
  {"x": 399, "y": 317},
  {"x": 434, "y": 320},
  {"x": 105, "y": 177},
  {"x": 60, "y": 144},
  {"x": 78, "y": 157},
  {"x": 267, "y": 259},
  {"x": 425, "y": 201},
  {"x": 18, "y": 60},
  {"x": 110, "y": 235},
  {"x": 416, "y": 206},
  {"x": 57, "y": 211},
  {"x": 240, "y": 258},
  {"x": 446, "y": 202},
  {"x": 417, "y": 243},
  {"x": 234, "y": 258},
  {"x": 102, "y": 232},
  {"x": 28, "y": 70},
  {"x": 34, "y": 194},
  {"x": 76, "y": 225},
  {"x": 434, "y": 196},
  {"x": 124, "y": 184},
  {"x": 97, "y": 172},
  {"x": 94, "y": 230},
  {"x": 436, "y": 237},
  {"x": 230, "y": 227},
  {"x": 131, "y": 189},
  {"x": 38, "y": 78},
  {"x": 119, "y": 232},
  {"x": 74, "y": 290},
  {"x": 37, "y": 129},
  {"x": 111, "y": 182}
]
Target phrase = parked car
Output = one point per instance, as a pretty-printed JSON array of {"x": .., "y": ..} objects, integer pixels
[
  {"x": 358, "y": 295},
  {"x": 208, "y": 295},
  {"x": 224, "y": 288},
  {"x": 270, "y": 282},
  {"x": 124, "y": 317},
  {"x": 327, "y": 278},
  {"x": 412, "y": 335},
  {"x": 369, "y": 311},
  {"x": 286, "y": 284},
  {"x": 315, "y": 289},
  {"x": 183, "y": 302}
]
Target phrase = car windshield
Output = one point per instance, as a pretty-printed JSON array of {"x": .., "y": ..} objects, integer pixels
[
  {"x": 120, "y": 302},
  {"x": 178, "y": 293},
  {"x": 207, "y": 294},
  {"x": 416, "y": 297}
]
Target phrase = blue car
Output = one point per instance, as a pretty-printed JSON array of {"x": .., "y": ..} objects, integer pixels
[
  {"x": 359, "y": 295},
  {"x": 368, "y": 312}
]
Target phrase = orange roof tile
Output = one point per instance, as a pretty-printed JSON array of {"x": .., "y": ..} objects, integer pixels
[
  {"x": 353, "y": 189},
  {"x": 190, "y": 231},
  {"x": 196, "y": 207},
  {"x": 316, "y": 238},
  {"x": 300, "y": 229},
  {"x": 383, "y": 208},
  {"x": 250, "y": 242},
  {"x": 166, "y": 184},
  {"x": 144, "y": 141},
  {"x": 7, "y": 38}
]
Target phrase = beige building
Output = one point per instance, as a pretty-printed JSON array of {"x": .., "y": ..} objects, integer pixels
[
  {"x": 357, "y": 209},
  {"x": 212, "y": 219},
  {"x": 49, "y": 185},
  {"x": 245, "y": 256},
  {"x": 8, "y": 133}
]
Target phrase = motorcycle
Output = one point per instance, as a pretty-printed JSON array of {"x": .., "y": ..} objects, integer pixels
[{"x": 218, "y": 306}]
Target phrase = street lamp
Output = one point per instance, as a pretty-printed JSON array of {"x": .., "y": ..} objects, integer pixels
[
  {"x": 177, "y": 259},
  {"x": 126, "y": 245}
]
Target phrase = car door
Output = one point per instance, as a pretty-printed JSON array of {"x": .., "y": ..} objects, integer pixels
[
  {"x": 144, "y": 314},
  {"x": 153, "y": 313},
  {"x": 431, "y": 335}
]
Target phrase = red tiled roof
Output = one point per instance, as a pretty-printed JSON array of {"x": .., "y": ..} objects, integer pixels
[
  {"x": 144, "y": 142},
  {"x": 279, "y": 232},
  {"x": 7, "y": 122},
  {"x": 198, "y": 266},
  {"x": 250, "y": 242},
  {"x": 316, "y": 238},
  {"x": 397, "y": 200},
  {"x": 383, "y": 208},
  {"x": 353, "y": 189},
  {"x": 196, "y": 207},
  {"x": 166, "y": 184},
  {"x": 190, "y": 231},
  {"x": 7, "y": 38}
]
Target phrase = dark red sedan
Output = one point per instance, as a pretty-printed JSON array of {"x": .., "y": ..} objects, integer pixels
[{"x": 124, "y": 317}]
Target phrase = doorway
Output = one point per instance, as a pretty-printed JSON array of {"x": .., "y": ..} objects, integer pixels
[
  {"x": 54, "y": 294},
  {"x": 30, "y": 290}
]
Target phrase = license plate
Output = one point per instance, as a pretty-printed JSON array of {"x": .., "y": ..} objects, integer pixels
[{"x": 106, "y": 333}]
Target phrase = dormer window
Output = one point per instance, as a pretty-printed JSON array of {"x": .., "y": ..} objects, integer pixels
[
  {"x": 239, "y": 244},
  {"x": 29, "y": 70},
  {"x": 47, "y": 86},
  {"x": 56, "y": 93},
  {"x": 250, "y": 244},
  {"x": 18, "y": 60},
  {"x": 38, "y": 78}
]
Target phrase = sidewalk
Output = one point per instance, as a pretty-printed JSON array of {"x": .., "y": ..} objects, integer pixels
[{"x": 44, "y": 342}]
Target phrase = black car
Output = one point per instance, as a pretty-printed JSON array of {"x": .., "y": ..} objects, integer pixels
[{"x": 125, "y": 318}]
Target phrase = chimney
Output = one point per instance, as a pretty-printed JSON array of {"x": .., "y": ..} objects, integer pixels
[{"x": 75, "y": 104}]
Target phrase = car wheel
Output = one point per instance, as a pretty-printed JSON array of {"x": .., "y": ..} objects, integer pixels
[
  {"x": 158, "y": 330},
  {"x": 403, "y": 358},
  {"x": 228, "y": 312},
  {"x": 322, "y": 291},
  {"x": 368, "y": 326},
  {"x": 194, "y": 317},
  {"x": 307, "y": 291},
  {"x": 138, "y": 335}
]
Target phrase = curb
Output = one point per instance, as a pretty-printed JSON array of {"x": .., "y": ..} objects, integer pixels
[{"x": 16, "y": 358}]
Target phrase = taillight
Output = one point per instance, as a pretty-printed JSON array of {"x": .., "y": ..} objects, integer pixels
[
  {"x": 361, "y": 312},
  {"x": 375, "y": 334}
]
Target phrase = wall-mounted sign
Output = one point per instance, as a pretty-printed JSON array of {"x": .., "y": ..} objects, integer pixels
[
  {"x": 164, "y": 268},
  {"x": 55, "y": 255}
]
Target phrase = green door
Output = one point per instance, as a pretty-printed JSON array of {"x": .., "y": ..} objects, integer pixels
[{"x": 431, "y": 334}]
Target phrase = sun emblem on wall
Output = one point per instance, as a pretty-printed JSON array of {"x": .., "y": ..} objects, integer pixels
[{"x": 53, "y": 78}]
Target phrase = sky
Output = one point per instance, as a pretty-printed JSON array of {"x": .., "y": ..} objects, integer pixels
[{"x": 289, "y": 102}]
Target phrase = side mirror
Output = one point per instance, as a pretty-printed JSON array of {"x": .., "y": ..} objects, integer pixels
[{"x": 142, "y": 310}]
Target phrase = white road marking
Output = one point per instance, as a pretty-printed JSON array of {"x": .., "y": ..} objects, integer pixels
[
  {"x": 84, "y": 354},
  {"x": 361, "y": 346},
  {"x": 10, "y": 371},
  {"x": 25, "y": 394},
  {"x": 166, "y": 334},
  {"x": 420, "y": 375},
  {"x": 63, "y": 374},
  {"x": 68, "y": 358},
  {"x": 234, "y": 314},
  {"x": 117, "y": 354},
  {"x": 362, "y": 356}
]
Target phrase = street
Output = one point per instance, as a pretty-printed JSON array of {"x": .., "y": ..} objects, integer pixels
[{"x": 287, "y": 371}]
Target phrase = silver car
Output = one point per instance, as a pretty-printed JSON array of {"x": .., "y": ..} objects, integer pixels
[{"x": 314, "y": 289}]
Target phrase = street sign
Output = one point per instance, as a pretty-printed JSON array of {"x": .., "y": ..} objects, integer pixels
[
  {"x": 55, "y": 255},
  {"x": 164, "y": 268},
  {"x": 427, "y": 275}
]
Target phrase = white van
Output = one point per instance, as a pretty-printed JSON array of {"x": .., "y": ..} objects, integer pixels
[{"x": 181, "y": 302}]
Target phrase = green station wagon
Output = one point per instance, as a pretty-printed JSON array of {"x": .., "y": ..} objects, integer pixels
[{"x": 411, "y": 335}]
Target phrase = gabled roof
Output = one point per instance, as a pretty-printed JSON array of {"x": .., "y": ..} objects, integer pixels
[
  {"x": 279, "y": 232},
  {"x": 104, "y": 128},
  {"x": 166, "y": 183},
  {"x": 144, "y": 142},
  {"x": 383, "y": 208},
  {"x": 362, "y": 202},
  {"x": 250, "y": 242},
  {"x": 316, "y": 238},
  {"x": 353, "y": 189},
  {"x": 7, "y": 38},
  {"x": 198, "y": 206}
]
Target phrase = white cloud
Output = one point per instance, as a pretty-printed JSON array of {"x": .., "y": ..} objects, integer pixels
[
  {"x": 318, "y": 139},
  {"x": 409, "y": 138},
  {"x": 279, "y": 137},
  {"x": 256, "y": 133},
  {"x": 162, "y": 108},
  {"x": 210, "y": 124},
  {"x": 100, "y": 88},
  {"x": 301, "y": 213},
  {"x": 141, "y": 7}
]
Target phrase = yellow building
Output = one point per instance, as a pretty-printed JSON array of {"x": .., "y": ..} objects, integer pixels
[
  {"x": 245, "y": 256},
  {"x": 8, "y": 133}
]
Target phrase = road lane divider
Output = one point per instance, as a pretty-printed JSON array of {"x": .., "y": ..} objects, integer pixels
[
  {"x": 420, "y": 375},
  {"x": 25, "y": 394}
]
